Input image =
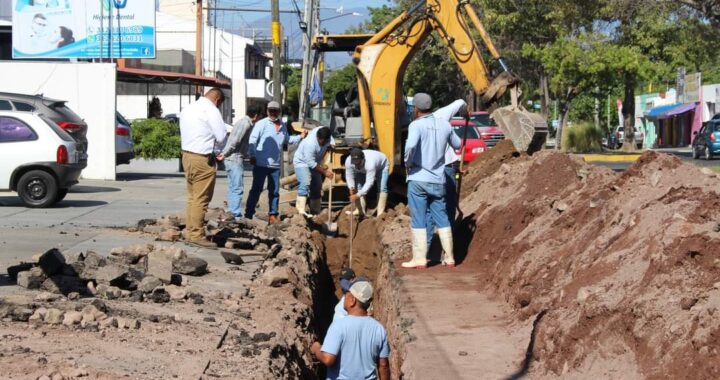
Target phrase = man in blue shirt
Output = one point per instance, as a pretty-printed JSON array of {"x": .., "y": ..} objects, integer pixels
[
  {"x": 309, "y": 171},
  {"x": 265, "y": 149},
  {"x": 428, "y": 139},
  {"x": 356, "y": 346}
]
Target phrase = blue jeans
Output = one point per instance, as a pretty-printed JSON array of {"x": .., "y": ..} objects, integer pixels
[
  {"x": 310, "y": 182},
  {"x": 381, "y": 180},
  {"x": 450, "y": 201},
  {"x": 273, "y": 185},
  {"x": 427, "y": 198},
  {"x": 235, "y": 172}
]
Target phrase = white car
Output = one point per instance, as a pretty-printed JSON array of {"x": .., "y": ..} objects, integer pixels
[
  {"x": 124, "y": 147},
  {"x": 38, "y": 159}
]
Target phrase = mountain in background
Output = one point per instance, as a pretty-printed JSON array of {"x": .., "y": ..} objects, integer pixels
[{"x": 260, "y": 29}]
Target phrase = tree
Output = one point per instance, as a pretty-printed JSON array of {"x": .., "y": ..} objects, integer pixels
[
  {"x": 339, "y": 80},
  {"x": 292, "y": 87}
]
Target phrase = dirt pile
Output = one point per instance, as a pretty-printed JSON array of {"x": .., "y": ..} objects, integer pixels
[
  {"x": 488, "y": 163},
  {"x": 622, "y": 269}
]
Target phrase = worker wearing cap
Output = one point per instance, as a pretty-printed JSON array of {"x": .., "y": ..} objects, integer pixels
[
  {"x": 356, "y": 346},
  {"x": 363, "y": 169},
  {"x": 452, "y": 160},
  {"x": 310, "y": 171},
  {"x": 265, "y": 149},
  {"x": 202, "y": 130},
  {"x": 428, "y": 139}
]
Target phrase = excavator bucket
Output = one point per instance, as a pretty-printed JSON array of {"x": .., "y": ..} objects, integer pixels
[{"x": 528, "y": 131}]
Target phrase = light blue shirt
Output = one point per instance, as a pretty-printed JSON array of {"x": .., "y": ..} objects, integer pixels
[
  {"x": 375, "y": 162},
  {"x": 427, "y": 143},
  {"x": 266, "y": 143},
  {"x": 340, "y": 312},
  {"x": 446, "y": 113},
  {"x": 309, "y": 153},
  {"x": 357, "y": 342}
]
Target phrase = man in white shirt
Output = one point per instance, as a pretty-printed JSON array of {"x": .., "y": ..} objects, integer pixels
[
  {"x": 202, "y": 131},
  {"x": 363, "y": 170}
]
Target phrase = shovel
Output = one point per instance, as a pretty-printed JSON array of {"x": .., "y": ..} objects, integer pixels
[
  {"x": 330, "y": 227},
  {"x": 352, "y": 234}
]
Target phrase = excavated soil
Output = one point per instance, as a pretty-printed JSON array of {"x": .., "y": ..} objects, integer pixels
[{"x": 624, "y": 268}]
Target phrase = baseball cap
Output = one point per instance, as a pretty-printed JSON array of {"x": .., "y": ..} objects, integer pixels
[
  {"x": 346, "y": 277},
  {"x": 356, "y": 154},
  {"x": 273, "y": 105},
  {"x": 362, "y": 290},
  {"x": 422, "y": 101}
]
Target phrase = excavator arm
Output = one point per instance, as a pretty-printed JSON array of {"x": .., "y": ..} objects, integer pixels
[{"x": 382, "y": 60}]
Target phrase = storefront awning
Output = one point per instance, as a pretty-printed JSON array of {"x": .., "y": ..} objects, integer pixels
[
  {"x": 680, "y": 110},
  {"x": 134, "y": 75},
  {"x": 657, "y": 112}
]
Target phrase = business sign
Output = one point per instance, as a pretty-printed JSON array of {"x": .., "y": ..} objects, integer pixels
[
  {"x": 83, "y": 29},
  {"x": 693, "y": 87}
]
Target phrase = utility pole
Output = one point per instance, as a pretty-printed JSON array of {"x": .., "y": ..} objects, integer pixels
[
  {"x": 198, "y": 45},
  {"x": 308, "y": 32},
  {"x": 276, "y": 41}
]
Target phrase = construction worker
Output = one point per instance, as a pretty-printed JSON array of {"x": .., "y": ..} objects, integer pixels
[
  {"x": 363, "y": 169},
  {"x": 428, "y": 139},
  {"x": 202, "y": 129},
  {"x": 452, "y": 161},
  {"x": 265, "y": 149},
  {"x": 235, "y": 151},
  {"x": 356, "y": 346},
  {"x": 310, "y": 171}
]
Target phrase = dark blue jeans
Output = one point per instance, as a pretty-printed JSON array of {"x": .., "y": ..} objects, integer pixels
[
  {"x": 450, "y": 201},
  {"x": 273, "y": 185}
]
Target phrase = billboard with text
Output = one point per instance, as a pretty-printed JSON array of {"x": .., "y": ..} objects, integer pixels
[{"x": 83, "y": 29}]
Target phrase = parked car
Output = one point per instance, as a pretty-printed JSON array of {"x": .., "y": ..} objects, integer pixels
[
  {"x": 55, "y": 110},
  {"x": 488, "y": 129},
  {"x": 474, "y": 146},
  {"x": 707, "y": 141},
  {"x": 620, "y": 137},
  {"x": 485, "y": 126},
  {"x": 124, "y": 147},
  {"x": 38, "y": 159}
]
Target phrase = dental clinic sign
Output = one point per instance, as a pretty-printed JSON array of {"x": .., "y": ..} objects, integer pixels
[{"x": 83, "y": 28}]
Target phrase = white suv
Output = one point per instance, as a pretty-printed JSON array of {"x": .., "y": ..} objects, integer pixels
[{"x": 38, "y": 159}]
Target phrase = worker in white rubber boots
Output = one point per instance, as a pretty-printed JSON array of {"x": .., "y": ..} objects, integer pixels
[
  {"x": 428, "y": 139},
  {"x": 309, "y": 169},
  {"x": 363, "y": 170}
]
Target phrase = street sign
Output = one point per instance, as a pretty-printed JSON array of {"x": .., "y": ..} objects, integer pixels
[{"x": 83, "y": 29}]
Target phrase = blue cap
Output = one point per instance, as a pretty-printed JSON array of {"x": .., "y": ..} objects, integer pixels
[{"x": 345, "y": 284}]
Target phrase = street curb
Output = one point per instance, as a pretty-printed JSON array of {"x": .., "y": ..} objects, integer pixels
[{"x": 610, "y": 158}]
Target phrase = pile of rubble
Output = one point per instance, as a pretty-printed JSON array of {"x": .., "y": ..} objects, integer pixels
[{"x": 137, "y": 273}]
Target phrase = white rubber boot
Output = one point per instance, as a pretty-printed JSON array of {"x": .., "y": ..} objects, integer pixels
[
  {"x": 315, "y": 206},
  {"x": 300, "y": 204},
  {"x": 360, "y": 207},
  {"x": 419, "y": 250},
  {"x": 382, "y": 201},
  {"x": 446, "y": 240}
]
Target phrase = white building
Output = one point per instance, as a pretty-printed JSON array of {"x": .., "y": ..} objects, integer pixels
[{"x": 226, "y": 56}]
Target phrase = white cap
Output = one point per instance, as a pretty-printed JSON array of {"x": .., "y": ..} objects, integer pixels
[
  {"x": 362, "y": 290},
  {"x": 273, "y": 105}
]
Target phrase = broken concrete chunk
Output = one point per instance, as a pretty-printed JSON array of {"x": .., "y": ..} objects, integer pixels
[
  {"x": 51, "y": 262},
  {"x": 159, "y": 295},
  {"x": 72, "y": 318},
  {"x": 21, "y": 314},
  {"x": 13, "y": 271},
  {"x": 31, "y": 279},
  {"x": 148, "y": 284},
  {"x": 108, "y": 322},
  {"x": 232, "y": 258},
  {"x": 94, "y": 260},
  {"x": 108, "y": 291},
  {"x": 111, "y": 274},
  {"x": 243, "y": 243},
  {"x": 128, "y": 323},
  {"x": 54, "y": 316},
  {"x": 46, "y": 297},
  {"x": 132, "y": 254},
  {"x": 193, "y": 266},
  {"x": 176, "y": 293},
  {"x": 37, "y": 316},
  {"x": 160, "y": 266},
  {"x": 169, "y": 235}
]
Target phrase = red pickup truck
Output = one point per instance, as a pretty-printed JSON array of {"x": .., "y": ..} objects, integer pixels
[
  {"x": 485, "y": 126},
  {"x": 475, "y": 145}
]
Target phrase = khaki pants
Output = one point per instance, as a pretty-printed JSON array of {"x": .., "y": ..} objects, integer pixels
[{"x": 200, "y": 178}]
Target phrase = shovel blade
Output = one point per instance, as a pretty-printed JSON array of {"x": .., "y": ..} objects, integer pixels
[{"x": 330, "y": 229}]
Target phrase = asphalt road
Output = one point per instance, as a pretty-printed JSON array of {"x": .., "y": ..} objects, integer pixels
[{"x": 685, "y": 154}]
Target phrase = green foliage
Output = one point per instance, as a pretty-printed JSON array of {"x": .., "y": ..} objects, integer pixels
[
  {"x": 156, "y": 139},
  {"x": 339, "y": 80},
  {"x": 582, "y": 138}
]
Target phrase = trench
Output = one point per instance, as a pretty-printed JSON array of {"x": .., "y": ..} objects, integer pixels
[{"x": 370, "y": 260}]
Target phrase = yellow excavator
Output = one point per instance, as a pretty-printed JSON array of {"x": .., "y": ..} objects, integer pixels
[{"x": 375, "y": 113}]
